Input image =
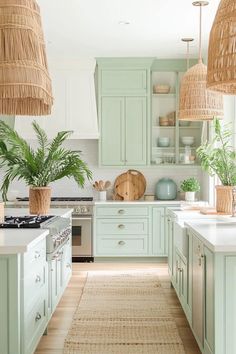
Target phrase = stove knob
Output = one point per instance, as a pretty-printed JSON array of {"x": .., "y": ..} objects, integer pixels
[{"x": 84, "y": 209}]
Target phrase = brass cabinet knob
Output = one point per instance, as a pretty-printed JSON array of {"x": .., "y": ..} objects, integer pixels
[
  {"x": 122, "y": 243},
  {"x": 121, "y": 211},
  {"x": 121, "y": 226},
  {"x": 38, "y": 317}
]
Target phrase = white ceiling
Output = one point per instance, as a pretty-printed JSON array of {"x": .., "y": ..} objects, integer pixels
[{"x": 81, "y": 28}]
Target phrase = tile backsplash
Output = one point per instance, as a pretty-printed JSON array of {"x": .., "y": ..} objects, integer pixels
[{"x": 89, "y": 153}]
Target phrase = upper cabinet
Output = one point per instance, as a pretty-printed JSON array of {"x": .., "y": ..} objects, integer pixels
[
  {"x": 74, "y": 103},
  {"x": 138, "y": 103},
  {"x": 124, "y": 109}
]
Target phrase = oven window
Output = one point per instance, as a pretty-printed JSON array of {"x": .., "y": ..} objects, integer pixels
[{"x": 76, "y": 236}]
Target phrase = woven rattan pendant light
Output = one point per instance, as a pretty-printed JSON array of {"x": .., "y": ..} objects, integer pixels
[
  {"x": 25, "y": 85},
  {"x": 221, "y": 72},
  {"x": 196, "y": 102}
]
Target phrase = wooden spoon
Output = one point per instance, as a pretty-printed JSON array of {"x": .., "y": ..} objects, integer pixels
[
  {"x": 107, "y": 185},
  {"x": 101, "y": 185}
]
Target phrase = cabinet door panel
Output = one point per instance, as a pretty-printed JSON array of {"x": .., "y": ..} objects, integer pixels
[
  {"x": 209, "y": 299},
  {"x": 198, "y": 288},
  {"x": 124, "y": 82},
  {"x": 136, "y": 130},
  {"x": 230, "y": 305},
  {"x": 158, "y": 231},
  {"x": 112, "y": 131},
  {"x": 170, "y": 245}
]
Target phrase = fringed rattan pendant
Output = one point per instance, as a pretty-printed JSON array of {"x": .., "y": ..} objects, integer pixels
[
  {"x": 221, "y": 74},
  {"x": 25, "y": 85},
  {"x": 196, "y": 102}
]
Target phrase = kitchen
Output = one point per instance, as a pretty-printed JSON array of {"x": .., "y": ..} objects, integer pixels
[{"x": 125, "y": 103}]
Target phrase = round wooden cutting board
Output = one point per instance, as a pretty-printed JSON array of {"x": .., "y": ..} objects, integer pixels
[{"x": 130, "y": 185}]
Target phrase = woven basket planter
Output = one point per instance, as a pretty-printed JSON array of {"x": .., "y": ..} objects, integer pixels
[
  {"x": 39, "y": 200},
  {"x": 221, "y": 74},
  {"x": 224, "y": 199},
  {"x": 25, "y": 85}
]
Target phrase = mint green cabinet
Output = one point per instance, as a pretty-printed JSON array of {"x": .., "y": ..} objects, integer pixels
[
  {"x": 124, "y": 110},
  {"x": 123, "y": 131},
  {"x": 209, "y": 301},
  {"x": 112, "y": 144},
  {"x": 124, "y": 82},
  {"x": 158, "y": 231},
  {"x": 169, "y": 235}
]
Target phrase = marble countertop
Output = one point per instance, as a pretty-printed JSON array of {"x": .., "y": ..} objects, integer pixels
[{"x": 13, "y": 241}]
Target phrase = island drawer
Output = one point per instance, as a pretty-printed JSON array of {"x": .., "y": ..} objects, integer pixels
[
  {"x": 35, "y": 256},
  {"x": 120, "y": 211},
  {"x": 122, "y": 227},
  {"x": 34, "y": 284},
  {"x": 35, "y": 324},
  {"x": 122, "y": 246}
]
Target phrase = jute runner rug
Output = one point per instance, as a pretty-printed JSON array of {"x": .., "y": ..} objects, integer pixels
[{"x": 123, "y": 313}]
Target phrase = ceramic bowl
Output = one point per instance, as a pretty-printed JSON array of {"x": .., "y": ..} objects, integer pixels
[
  {"x": 187, "y": 140},
  {"x": 163, "y": 141}
]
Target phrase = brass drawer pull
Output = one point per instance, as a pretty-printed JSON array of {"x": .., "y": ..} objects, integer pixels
[
  {"x": 122, "y": 243},
  {"x": 37, "y": 279},
  {"x": 121, "y": 226},
  {"x": 121, "y": 211},
  {"x": 38, "y": 317}
]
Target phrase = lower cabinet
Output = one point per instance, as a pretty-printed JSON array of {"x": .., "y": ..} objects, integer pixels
[
  {"x": 30, "y": 288},
  {"x": 130, "y": 230}
]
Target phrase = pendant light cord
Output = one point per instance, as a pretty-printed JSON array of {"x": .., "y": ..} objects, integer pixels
[
  {"x": 200, "y": 36},
  {"x": 187, "y": 56}
]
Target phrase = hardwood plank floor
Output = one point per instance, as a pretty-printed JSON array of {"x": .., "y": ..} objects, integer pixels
[{"x": 53, "y": 342}]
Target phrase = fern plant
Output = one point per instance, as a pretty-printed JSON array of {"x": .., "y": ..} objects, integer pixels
[
  {"x": 38, "y": 168},
  {"x": 219, "y": 157}
]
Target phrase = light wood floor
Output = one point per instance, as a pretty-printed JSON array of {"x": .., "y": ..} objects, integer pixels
[{"x": 61, "y": 320}]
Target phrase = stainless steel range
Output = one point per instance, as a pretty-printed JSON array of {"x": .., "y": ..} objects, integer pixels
[
  {"x": 82, "y": 225},
  {"x": 59, "y": 229}
]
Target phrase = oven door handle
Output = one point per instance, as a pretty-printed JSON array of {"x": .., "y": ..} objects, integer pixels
[{"x": 83, "y": 218}]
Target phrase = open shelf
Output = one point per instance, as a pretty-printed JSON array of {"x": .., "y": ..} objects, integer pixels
[
  {"x": 163, "y": 127},
  {"x": 164, "y": 95}
]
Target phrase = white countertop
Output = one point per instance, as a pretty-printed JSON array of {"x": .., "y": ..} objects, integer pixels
[
  {"x": 13, "y": 241},
  {"x": 137, "y": 202},
  {"x": 218, "y": 236}
]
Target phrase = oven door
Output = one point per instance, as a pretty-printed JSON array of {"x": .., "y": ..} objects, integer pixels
[{"x": 81, "y": 236}]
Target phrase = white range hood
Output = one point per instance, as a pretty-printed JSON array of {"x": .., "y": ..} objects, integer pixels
[{"x": 74, "y": 102}]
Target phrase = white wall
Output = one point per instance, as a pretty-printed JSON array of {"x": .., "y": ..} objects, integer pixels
[{"x": 89, "y": 150}]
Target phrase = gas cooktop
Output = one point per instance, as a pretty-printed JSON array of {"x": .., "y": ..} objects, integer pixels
[
  {"x": 62, "y": 199},
  {"x": 29, "y": 221}
]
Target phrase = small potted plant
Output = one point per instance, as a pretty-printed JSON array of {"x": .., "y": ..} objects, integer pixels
[
  {"x": 190, "y": 186},
  {"x": 218, "y": 157},
  {"x": 40, "y": 167}
]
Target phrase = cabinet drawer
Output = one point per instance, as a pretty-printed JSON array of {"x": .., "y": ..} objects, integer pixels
[
  {"x": 35, "y": 324},
  {"x": 36, "y": 256},
  {"x": 33, "y": 284},
  {"x": 123, "y": 82},
  {"x": 122, "y": 227},
  {"x": 117, "y": 246},
  {"x": 120, "y": 211}
]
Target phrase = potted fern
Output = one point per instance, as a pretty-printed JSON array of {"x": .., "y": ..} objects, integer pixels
[
  {"x": 40, "y": 167},
  {"x": 219, "y": 158}
]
